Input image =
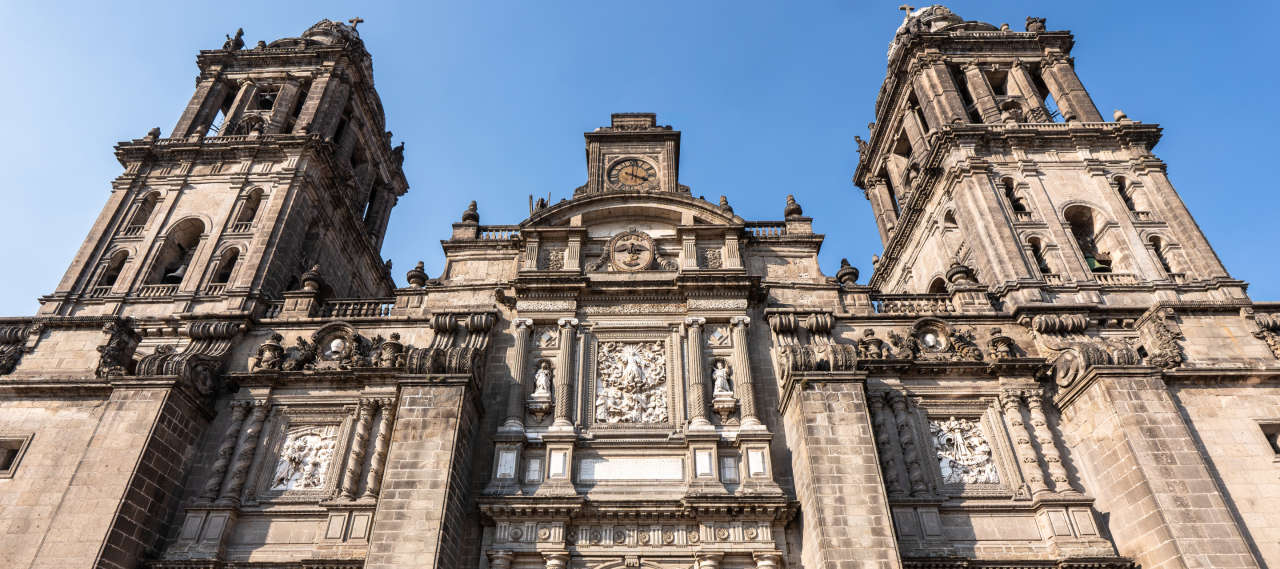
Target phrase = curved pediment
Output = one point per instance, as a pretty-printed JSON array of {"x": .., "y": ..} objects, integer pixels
[{"x": 618, "y": 210}]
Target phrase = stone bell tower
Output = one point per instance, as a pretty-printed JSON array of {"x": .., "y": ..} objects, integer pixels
[
  {"x": 988, "y": 153},
  {"x": 280, "y": 162}
]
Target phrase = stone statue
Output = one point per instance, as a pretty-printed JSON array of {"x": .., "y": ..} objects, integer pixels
[
  {"x": 1035, "y": 24},
  {"x": 793, "y": 209},
  {"x": 472, "y": 214},
  {"x": 721, "y": 377},
  {"x": 270, "y": 354},
  {"x": 542, "y": 380},
  {"x": 236, "y": 43}
]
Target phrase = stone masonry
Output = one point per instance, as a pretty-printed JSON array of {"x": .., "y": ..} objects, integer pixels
[{"x": 1047, "y": 367}]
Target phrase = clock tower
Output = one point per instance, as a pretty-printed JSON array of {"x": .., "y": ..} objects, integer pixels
[{"x": 633, "y": 154}]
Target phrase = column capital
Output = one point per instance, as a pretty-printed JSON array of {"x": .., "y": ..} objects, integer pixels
[
  {"x": 501, "y": 559},
  {"x": 740, "y": 321},
  {"x": 522, "y": 322},
  {"x": 1010, "y": 399},
  {"x": 695, "y": 321},
  {"x": 567, "y": 322}
]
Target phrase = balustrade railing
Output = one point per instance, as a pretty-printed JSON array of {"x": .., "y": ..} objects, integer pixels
[
  {"x": 1116, "y": 278},
  {"x": 1022, "y": 216},
  {"x": 912, "y": 303},
  {"x": 498, "y": 232},
  {"x": 1052, "y": 278},
  {"x": 215, "y": 288},
  {"x": 766, "y": 228},
  {"x": 1142, "y": 216},
  {"x": 273, "y": 308},
  {"x": 375, "y": 308},
  {"x": 99, "y": 291},
  {"x": 154, "y": 290},
  {"x": 240, "y": 227},
  {"x": 131, "y": 230}
]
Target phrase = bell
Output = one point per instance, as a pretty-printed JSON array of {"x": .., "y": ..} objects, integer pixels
[{"x": 176, "y": 275}]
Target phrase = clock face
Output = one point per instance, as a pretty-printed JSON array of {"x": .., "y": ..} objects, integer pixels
[{"x": 633, "y": 174}]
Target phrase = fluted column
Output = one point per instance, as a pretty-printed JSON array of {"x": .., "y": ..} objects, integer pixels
[
  {"x": 697, "y": 387},
  {"x": 244, "y": 455},
  {"x": 1073, "y": 99},
  {"x": 239, "y": 410},
  {"x": 373, "y": 482},
  {"x": 564, "y": 363},
  {"x": 742, "y": 386},
  {"x": 884, "y": 443},
  {"x": 355, "y": 458},
  {"x": 907, "y": 438},
  {"x": 515, "y": 398},
  {"x": 500, "y": 559},
  {"x": 1011, "y": 403},
  {"x": 1058, "y": 481}
]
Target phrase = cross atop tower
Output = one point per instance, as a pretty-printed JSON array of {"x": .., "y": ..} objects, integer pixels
[{"x": 356, "y": 21}]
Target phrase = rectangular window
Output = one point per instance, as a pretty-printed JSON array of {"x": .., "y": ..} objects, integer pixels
[
  {"x": 11, "y": 451},
  {"x": 729, "y": 469}
]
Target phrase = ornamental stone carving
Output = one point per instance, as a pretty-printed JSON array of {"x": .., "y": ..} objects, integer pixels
[
  {"x": 631, "y": 250},
  {"x": 964, "y": 455},
  {"x": 632, "y": 383},
  {"x": 116, "y": 355},
  {"x": 270, "y": 354},
  {"x": 306, "y": 457}
]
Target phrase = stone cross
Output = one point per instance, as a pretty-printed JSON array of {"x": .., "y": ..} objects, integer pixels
[{"x": 356, "y": 21}]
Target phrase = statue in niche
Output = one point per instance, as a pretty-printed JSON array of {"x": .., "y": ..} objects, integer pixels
[
  {"x": 542, "y": 380},
  {"x": 721, "y": 377}
]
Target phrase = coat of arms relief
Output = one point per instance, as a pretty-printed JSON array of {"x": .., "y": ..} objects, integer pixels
[{"x": 631, "y": 384}]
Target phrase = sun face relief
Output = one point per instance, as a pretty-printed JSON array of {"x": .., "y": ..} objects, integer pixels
[{"x": 633, "y": 174}]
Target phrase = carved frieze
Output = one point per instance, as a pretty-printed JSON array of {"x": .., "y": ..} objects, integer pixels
[
  {"x": 631, "y": 383},
  {"x": 717, "y": 304}
]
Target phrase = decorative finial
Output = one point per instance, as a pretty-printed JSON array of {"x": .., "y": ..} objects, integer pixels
[
  {"x": 847, "y": 276},
  {"x": 311, "y": 280},
  {"x": 1035, "y": 24},
  {"x": 154, "y": 133},
  {"x": 356, "y": 21},
  {"x": 724, "y": 205},
  {"x": 793, "y": 209},
  {"x": 472, "y": 215},
  {"x": 236, "y": 43},
  {"x": 1004, "y": 27},
  {"x": 417, "y": 276},
  {"x": 960, "y": 274},
  {"x": 1120, "y": 116}
]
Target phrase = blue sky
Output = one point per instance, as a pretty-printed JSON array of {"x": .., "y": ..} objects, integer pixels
[{"x": 492, "y": 100}]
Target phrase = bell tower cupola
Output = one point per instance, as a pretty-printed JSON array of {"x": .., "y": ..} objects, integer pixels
[{"x": 987, "y": 151}]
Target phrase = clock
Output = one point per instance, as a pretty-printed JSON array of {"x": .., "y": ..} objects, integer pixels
[{"x": 633, "y": 174}]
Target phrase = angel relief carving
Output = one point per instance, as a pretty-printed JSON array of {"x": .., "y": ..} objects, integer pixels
[
  {"x": 964, "y": 455},
  {"x": 305, "y": 458},
  {"x": 631, "y": 383}
]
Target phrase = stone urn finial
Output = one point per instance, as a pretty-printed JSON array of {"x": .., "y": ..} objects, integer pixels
[
  {"x": 960, "y": 274},
  {"x": 472, "y": 215},
  {"x": 1119, "y": 116},
  {"x": 417, "y": 276},
  {"x": 311, "y": 280},
  {"x": 847, "y": 276},
  {"x": 793, "y": 209},
  {"x": 724, "y": 205}
]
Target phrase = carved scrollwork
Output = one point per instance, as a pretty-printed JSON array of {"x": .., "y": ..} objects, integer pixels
[
  {"x": 1165, "y": 333},
  {"x": 201, "y": 362},
  {"x": 964, "y": 455},
  {"x": 12, "y": 340},
  {"x": 116, "y": 355}
]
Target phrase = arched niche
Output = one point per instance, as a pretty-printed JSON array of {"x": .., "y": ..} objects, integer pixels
[{"x": 174, "y": 259}]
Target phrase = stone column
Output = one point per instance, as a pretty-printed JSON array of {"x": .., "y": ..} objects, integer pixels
[
  {"x": 239, "y": 410},
  {"x": 708, "y": 560},
  {"x": 688, "y": 251},
  {"x": 556, "y": 559},
  {"x": 355, "y": 458},
  {"x": 742, "y": 386},
  {"x": 560, "y": 381},
  {"x": 884, "y": 443},
  {"x": 983, "y": 97},
  {"x": 1058, "y": 481},
  {"x": 1067, "y": 90},
  {"x": 768, "y": 559},
  {"x": 244, "y": 456},
  {"x": 1011, "y": 403},
  {"x": 500, "y": 559},
  {"x": 248, "y": 90},
  {"x": 907, "y": 439},
  {"x": 515, "y": 397},
  {"x": 204, "y": 105},
  {"x": 697, "y": 387},
  {"x": 373, "y": 481},
  {"x": 1021, "y": 83}
]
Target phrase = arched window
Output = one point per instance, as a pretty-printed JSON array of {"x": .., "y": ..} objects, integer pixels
[
  {"x": 1016, "y": 201},
  {"x": 938, "y": 286},
  {"x": 1158, "y": 246},
  {"x": 1037, "y": 252},
  {"x": 142, "y": 213},
  {"x": 179, "y": 247},
  {"x": 1084, "y": 224},
  {"x": 226, "y": 266},
  {"x": 112, "y": 272},
  {"x": 249, "y": 209}
]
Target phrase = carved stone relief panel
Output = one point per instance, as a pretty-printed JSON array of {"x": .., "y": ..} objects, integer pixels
[
  {"x": 631, "y": 383},
  {"x": 305, "y": 450},
  {"x": 305, "y": 461},
  {"x": 964, "y": 454},
  {"x": 551, "y": 258}
]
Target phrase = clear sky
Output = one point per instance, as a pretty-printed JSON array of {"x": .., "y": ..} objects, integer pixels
[{"x": 492, "y": 99}]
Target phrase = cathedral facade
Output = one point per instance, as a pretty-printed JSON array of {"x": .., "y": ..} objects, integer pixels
[{"x": 1047, "y": 367}]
